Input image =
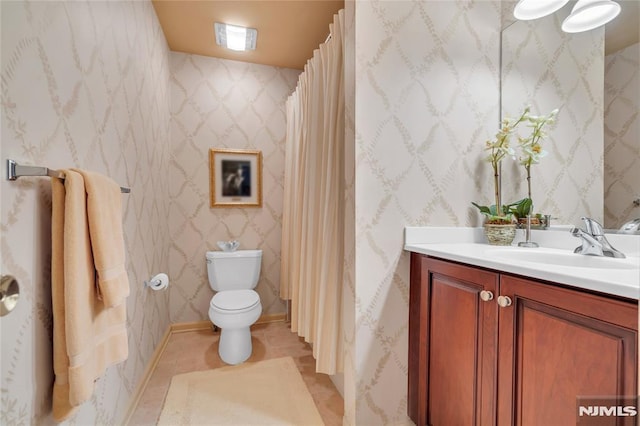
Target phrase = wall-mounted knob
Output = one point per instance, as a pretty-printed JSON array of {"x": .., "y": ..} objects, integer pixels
[
  {"x": 486, "y": 295},
  {"x": 504, "y": 301},
  {"x": 9, "y": 294}
]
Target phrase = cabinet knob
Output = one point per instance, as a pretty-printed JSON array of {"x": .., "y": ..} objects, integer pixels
[
  {"x": 486, "y": 295},
  {"x": 504, "y": 301}
]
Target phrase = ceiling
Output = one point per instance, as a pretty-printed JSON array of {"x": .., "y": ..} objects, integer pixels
[
  {"x": 288, "y": 31},
  {"x": 624, "y": 30}
]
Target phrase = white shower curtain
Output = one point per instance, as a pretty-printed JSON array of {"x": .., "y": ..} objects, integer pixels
[{"x": 313, "y": 217}]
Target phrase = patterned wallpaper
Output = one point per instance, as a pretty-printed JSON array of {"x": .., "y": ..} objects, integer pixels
[
  {"x": 426, "y": 98},
  {"x": 84, "y": 84},
  {"x": 621, "y": 136},
  {"x": 217, "y": 103},
  {"x": 547, "y": 68}
]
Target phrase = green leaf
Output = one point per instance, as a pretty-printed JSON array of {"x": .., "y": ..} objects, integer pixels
[
  {"x": 491, "y": 213},
  {"x": 483, "y": 209},
  {"x": 520, "y": 208}
]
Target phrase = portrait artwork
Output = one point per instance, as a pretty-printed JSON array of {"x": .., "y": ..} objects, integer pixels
[{"x": 235, "y": 178}]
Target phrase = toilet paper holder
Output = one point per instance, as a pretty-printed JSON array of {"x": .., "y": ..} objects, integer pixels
[{"x": 157, "y": 282}]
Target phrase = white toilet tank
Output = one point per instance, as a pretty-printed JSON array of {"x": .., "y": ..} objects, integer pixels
[{"x": 236, "y": 270}]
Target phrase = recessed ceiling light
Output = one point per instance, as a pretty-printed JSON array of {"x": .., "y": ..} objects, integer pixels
[{"x": 235, "y": 37}]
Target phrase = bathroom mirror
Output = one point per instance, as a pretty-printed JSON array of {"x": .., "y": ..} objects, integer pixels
[{"x": 593, "y": 162}]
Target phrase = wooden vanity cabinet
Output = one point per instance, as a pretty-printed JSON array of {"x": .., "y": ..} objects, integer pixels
[
  {"x": 452, "y": 344},
  {"x": 475, "y": 362},
  {"x": 556, "y": 344}
]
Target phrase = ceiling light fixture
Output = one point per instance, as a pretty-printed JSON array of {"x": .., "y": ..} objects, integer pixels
[
  {"x": 235, "y": 37},
  {"x": 533, "y": 9},
  {"x": 589, "y": 14}
]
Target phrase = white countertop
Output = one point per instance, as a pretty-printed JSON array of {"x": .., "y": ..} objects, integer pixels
[{"x": 468, "y": 245}]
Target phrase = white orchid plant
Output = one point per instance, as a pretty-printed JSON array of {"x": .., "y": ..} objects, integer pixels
[
  {"x": 531, "y": 153},
  {"x": 530, "y": 147}
]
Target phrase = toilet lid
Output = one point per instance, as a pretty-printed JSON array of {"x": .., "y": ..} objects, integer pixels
[{"x": 233, "y": 300}]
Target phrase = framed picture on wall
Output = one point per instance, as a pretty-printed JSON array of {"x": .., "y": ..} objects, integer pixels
[{"x": 235, "y": 178}]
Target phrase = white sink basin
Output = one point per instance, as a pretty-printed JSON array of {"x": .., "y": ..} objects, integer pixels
[{"x": 563, "y": 258}]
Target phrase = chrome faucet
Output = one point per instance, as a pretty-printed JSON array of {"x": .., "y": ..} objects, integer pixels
[{"x": 594, "y": 243}]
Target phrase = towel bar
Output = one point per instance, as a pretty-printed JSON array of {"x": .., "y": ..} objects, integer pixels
[{"x": 15, "y": 170}]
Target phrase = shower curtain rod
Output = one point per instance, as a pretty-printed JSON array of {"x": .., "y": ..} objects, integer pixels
[{"x": 15, "y": 170}]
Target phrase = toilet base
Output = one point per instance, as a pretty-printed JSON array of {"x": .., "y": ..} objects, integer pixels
[{"x": 235, "y": 345}]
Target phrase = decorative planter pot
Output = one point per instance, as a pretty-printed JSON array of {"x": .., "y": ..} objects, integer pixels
[
  {"x": 522, "y": 222},
  {"x": 536, "y": 222},
  {"x": 500, "y": 235}
]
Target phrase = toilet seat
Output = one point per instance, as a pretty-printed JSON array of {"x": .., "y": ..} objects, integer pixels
[{"x": 235, "y": 301}]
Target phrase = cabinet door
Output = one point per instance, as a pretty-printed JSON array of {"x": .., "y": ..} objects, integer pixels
[
  {"x": 557, "y": 344},
  {"x": 452, "y": 344}
]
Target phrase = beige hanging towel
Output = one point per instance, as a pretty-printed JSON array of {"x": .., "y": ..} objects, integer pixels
[
  {"x": 88, "y": 336},
  {"x": 104, "y": 210}
]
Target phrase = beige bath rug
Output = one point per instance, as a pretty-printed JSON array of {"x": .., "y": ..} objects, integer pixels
[{"x": 269, "y": 392}]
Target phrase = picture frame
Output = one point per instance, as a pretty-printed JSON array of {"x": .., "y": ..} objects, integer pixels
[{"x": 235, "y": 177}]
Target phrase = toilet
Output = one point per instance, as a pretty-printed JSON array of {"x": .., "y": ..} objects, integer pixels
[{"x": 235, "y": 306}]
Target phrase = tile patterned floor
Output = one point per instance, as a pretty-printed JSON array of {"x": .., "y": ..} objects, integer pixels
[{"x": 198, "y": 350}]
